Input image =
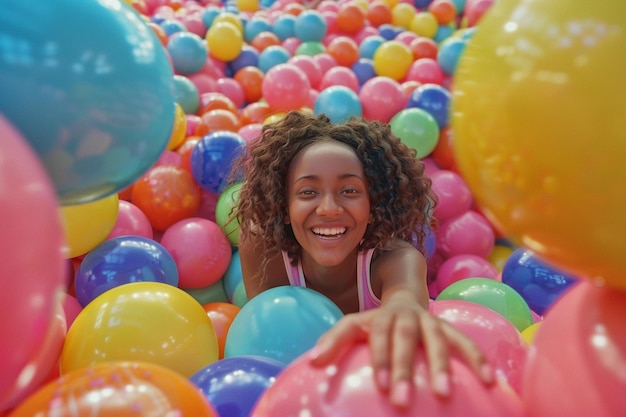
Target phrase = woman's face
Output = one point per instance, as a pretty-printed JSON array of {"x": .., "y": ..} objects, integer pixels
[{"x": 328, "y": 201}]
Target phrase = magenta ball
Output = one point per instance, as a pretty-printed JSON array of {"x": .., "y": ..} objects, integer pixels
[
  {"x": 466, "y": 233},
  {"x": 286, "y": 87},
  {"x": 459, "y": 267},
  {"x": 453, "y": 195},
  {"x": 426, "y": 70},
  {"x": 339, "y": 76},
  {"x": 347, "y": 387},
  {"x": 200, "y": 249},
  {"x": 131, "y": 221},
  {"x": 310, "y": 67},
  {"x": 381, "y": 97}
]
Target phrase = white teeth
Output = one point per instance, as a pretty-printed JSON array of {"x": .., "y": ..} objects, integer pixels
[{"x": 330, "y": 232}]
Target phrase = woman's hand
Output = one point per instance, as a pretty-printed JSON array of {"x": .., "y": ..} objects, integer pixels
[{"x": 394, "y": 332}]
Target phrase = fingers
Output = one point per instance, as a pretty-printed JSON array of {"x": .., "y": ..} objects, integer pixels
[
  {"x": 405, "y": 337},
  {"x": 436, "y": 345},
  {"x": 469, "y": 352},
  {"x": 342, "y": 335}
]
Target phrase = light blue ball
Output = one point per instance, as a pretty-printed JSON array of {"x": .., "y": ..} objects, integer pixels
[
  {"x": 271, "y": 56},
  {"x": 449, "y": 53},
  {"x": 310, "y": 25},
  {"x": 188, "y": 52},
  {"x": 339, "y": 103}
]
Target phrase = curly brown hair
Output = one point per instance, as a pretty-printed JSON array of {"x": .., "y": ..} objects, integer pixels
[{"x": 400, "y": 193}]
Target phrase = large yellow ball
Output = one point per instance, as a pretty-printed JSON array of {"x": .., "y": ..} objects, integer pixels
[
  {"x": 538, "y": 114},
  {"x": 392, "y": 59},
  {"x": 224, "y": 40}
]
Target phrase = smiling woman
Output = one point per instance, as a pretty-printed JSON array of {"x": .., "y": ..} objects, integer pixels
[{"x": 334, "y": 207}]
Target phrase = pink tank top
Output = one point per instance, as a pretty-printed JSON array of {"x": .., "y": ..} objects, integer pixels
[{"x": 367, "y": 298}]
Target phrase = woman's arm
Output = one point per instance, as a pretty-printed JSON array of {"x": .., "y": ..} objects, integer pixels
[
  {"x": 256, "y": 277},
  {"x": 399, "y": 325}
]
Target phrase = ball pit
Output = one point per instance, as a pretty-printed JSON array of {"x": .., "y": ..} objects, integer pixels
[{"x": 143, "y": 155}]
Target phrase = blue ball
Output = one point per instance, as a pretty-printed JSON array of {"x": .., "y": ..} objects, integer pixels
[
  {"x": 188, "y": 52},
  {"x": 339, "y": 103},
  {"x": 213, "y": 157},
  {"x": 284, "y": 26},
  {"x": 389, "y": 31},
  {"x": 369, "y": 45},
  {"x": 364, "y": 70},
  {"x": 281, "y": 323},
  {"x": 186, "y": 94},
  {"x": 233, "y": 276},
  {"x": 433, "y": 99},
  {"x": 172, "y": 26},
  {"x": 443, "y": 33},
  {"x": 234, "y": 385},
  {"x": 122, "y": 260},
  {"x": 209, "y": 14},
  {"x": 248, "y": 57},
  {"x": 449, "y": 53},
  {"x": 271, "y": 56},
  {"x": 254, "y": 26},
  {"x": 89, "y": 86},
  {"x": 539, "y": 283},
  {"x": 310, "y": 25}
]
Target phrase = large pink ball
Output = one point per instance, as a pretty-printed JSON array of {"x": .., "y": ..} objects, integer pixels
[
  {"x": 381, "y": 98},
  {"x": 497, "y": 337},
  {"x": 339, "y": 76},
  {"x": 459, "y": 267},
  {"x": 131, "y": 221},
  {"x": 33, "y": 268},
  {"x": 347, "y": 388},
  {"x": 286, "y": 87},
  {"x": 200, "y": 249},
  {"x": 453, "y": 195},
  {"x": 466, "y": 233},
  {"x": 577, "y": 364}
]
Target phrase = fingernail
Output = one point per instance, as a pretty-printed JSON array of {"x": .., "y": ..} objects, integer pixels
[
  {"x": 401, "y": 393},
  {"x": 486, "y": 372},
  {"x": 442, "y": 384},
  {"x": 383, "y": 378},
  {"x": 314, "y": 353}
]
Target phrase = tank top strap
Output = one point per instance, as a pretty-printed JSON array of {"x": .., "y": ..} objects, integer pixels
[
  {"x": 367, "y": 299},
  {"x": 294, "y": 273}
]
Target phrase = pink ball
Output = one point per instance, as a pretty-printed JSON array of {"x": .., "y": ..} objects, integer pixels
[
  {"x": 365, "y": 32},
  {"x": 576, "y": 366},
  {"x": 381, "y": 98},
  {"x": 200, "y": 249},
  {"x": 406, "y": 37},
  {"x": 453, "y": 195},
  {"x": 497, "y": 337},
  {"x": 71, "y": 308},
  {"x": 327, "y": 5},
  {"x": 340, "y": 76},
  {"x": 347, "y": 388},
  {"x": 310, "y": 67},
  {"x": 194, "y": 23},
  {"x": 251, "y": 132},
  {"x": 286, "y": 87},
  {"x": 466, "y": 233},
  {"x": 204, "y": 82},
  {"x": 459, "y": 267},
  {"x": 291, "y": 44},
  {"x": 426, "y": 70},
  {"x": 325, "y": 61},
  {"x": 231, "y": 89},
  {"x": 131, "y": 221}
]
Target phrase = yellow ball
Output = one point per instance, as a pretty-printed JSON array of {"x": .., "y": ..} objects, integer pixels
[
  {"x": 87, "y": 225},
  {"x": 392, "y": 59},
  {"x": 224, "y": 41},
  {"x": 142, "y": 321},
  {"x": 528, "y": 334},
  {"x": 402, "y": 14},
  {"x": 228, "y": 18},
  {"x": 538, "y": 113},
  {"x": 424, "y": 24},
  {"x": 248, "y": 5},
  {"x": 499, "y": 255},
  {"x": 179, "y": 130}
]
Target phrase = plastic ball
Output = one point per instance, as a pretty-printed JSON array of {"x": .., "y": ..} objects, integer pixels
[
  {"x": 459, "y": 267},
  {"x": 186, "y": 94},
  {"x": 250, "y": 78},
  {"x": 378, "y": 13},
  {"x": 284, "y": 26},
  {"x": 166, "y": 194},
  {"x": 88, "y": 224},
  {"x": 348, "y": 387},
  {"x": 222, "y": 314},
  {"x": 393, "y": 59},
  {"x": 311, "y": 48},
  {"x": 233, "y": 276},
  {"x": 426, "y": 71},
  {"x": 118, "y": 388},
  {"x": 381, "y": 97},
  {"x": 344, "y": 49},
  {"x": 200, "y": 251},
  {"x": 255, "y": 26},
  {"x": 286, "y": 87},
  {"x": 493, "y": 294},
  {"x": 121, "y": 260},
  {"x": 499, "y": 255},
  {"x": 234, "y": 385},
  {"x": 445, "y": 11},
  {"x": 537, "y": 281},
  {"x": 33, "y": 273},
  {"x": 339, "y": 103},
  {"x": 272, "y": 56},
  {"x": 270, "y": 324},
  {"x": 402, "y": 14},
  {"x": 310, "y": 26},
  {"x": 103, "y": 111},
  {"x": 433, "y": 98},
  {"x": 142, "y": 321},
  {"x": 364, "y": 70},
  {"x": 310, "y": 67},
  {"x": 580, "y": 339},
  {"x": 369, "y": 45},
  {"x": 221, "y": 120},
  {"x": 213, "y": 100},
  {"x": 249, "y": 56},
  {"x": 213, "y": 157},
  {"x": 466, "y": 233},
  {"x": 224, "y": 214},
  {"x": 338, "y": 75},
  {"x": 188, "y": 52},
  {"x": 453, "y": 195},
  {"x": 130, "y": 221},
  {"x": 450, "y": 51},
  {"x": 417, "y": 128},
  {"x": 224, "y": 40},
  {"x": 231, "y": 89},
  {"x": 264, "y": 40},
  {"x": 424, "y": 24},
  {"x": 422, "y": 47},
  {"x": 350, "y": 18}
]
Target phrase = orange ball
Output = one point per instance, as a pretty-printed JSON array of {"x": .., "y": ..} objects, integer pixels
[
  {"x": 159, "y": 32},
  {"x": 185, "y": 151},
  {"x": 222, "y": 315},
  {"x": 220, "y": 119},
  {"x": 378, "y": 13},
  {"x": 265, "y": 39},
  {"x": 443, "y": 154},
  {"x": 443, "y": 10},
  {"x": 117, "y": 389},
  {"x": 255, "y": 113},
  {"x": 344, "y": 49},
  {"x": 294, "y": 8},
  {"x": 350, "y": 18},
  {"x": 214, "y": 100},
  {"x": 166, "y": 194},
  {"x": 251, "y": 79},
  {"x": 423, "y": 47}
]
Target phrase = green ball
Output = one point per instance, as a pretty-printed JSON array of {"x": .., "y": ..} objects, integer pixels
[
  {"x": 224, "y": 211},
  {"x": 310, "y": 48},
  {"x": 493, "y": 294},
  {"x": 417, "y": 128}
]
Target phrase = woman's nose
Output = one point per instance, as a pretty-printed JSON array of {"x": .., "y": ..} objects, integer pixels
[{"x": 329, "y": 206}]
